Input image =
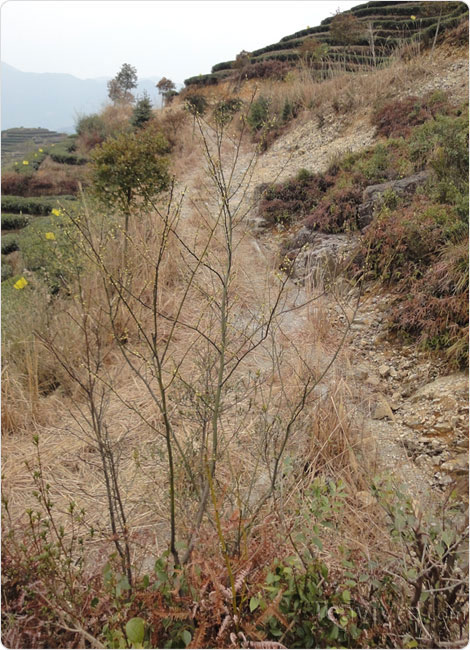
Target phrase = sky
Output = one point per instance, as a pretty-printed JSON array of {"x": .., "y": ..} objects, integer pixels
[{"x": 177, "y": 39}]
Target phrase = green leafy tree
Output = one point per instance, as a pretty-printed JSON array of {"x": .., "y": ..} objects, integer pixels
[
  {"x": 129, "y": 169},
  {"x": 119, "y": 88},
  {"x": 142, "y": 111}
]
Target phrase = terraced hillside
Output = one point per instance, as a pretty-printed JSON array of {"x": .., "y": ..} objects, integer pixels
[
  {"x": 15, "y": 142},
  {"x": 361, "y": 38}
]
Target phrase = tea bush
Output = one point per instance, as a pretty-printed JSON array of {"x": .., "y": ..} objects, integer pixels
[
  {"x": 7, "y": 270},
  {"x": 14, "y": 221},
  {"x": 9, "y": 243},
  {"x": 270, "y": 69},
  {"x": 36, "y": 206}
]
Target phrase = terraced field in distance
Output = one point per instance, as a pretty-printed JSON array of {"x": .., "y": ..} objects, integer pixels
[
  {"x": 16, "y": 142},
  {"x": 362, "y": 38}
]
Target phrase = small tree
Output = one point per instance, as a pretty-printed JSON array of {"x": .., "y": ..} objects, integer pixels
[
  {"x": 142, "y": 111},
  {"x": 129, "y": 168},
  {"x": 166, "y": 88},
  {"x": 119, "y": 88}
]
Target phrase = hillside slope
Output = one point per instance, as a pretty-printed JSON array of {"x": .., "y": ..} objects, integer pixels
[{"x": 213, "y": 439}]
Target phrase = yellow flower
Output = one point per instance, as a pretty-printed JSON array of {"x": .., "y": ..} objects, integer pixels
[
  {"x": 50, "y": 235},
  {"x": 16, "y": 163},
  {"x": 35, "y": 155},
  {"x": 56, "y": 212},
  {"x": 413, "y": 17},
  {"x": 40, "y": 150},
  {"x": 21, "y": 283},
  {"x": 25, "y": 162}
]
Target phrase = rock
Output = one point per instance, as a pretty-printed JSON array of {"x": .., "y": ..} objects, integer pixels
[
  {"x": 302, "y": 237},
  {"x": 384, "y": 371},
  {"x": 361, "y": 372},
  {"x": 414, "y": 421},
  {"x": 442, "y": 479},
  {"x": 401, "y": 187},
  {"x": 443, "y": 427},
  {"x": 382, "y": 411},
  {"x": 373, "y": 380},
  {"x": 372, "y": 195},
  {"x": 459, "y": 464},
  {"x": 457, "y": 382}
]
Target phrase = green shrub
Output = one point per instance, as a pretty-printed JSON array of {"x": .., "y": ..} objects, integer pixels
[
  {"x": 224, "y": 65},
  {"x": 226, "y": 109},
  {"x": 195, "y": 104},
  {"x": 142, "y": 111},
  {"x": 65, "y": 157},
  {"x": 130, "y": 168},
  {"x": 14, "y": 221},
  {"x": 35, "y": 205},
  {"x": 7, "y": 270},
  {"x": 93, "y": 123},
  {"x": 9, "y": 243},
  {"x": 258, "y": 114},
  {"x": 204, "y": 79},
  {"x": 442, "y": 144},
  {"x": 47, "y": 248}
]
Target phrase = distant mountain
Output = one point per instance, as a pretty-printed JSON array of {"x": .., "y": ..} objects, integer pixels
[{"x": 54, "y": 100}]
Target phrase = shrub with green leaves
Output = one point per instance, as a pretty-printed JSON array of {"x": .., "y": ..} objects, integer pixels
[
  {"x": 47, "y": 248},
  {"x": 9, "y": 243},
  {"x": 65, "y": 153},
  {"x": 195, "y": 104},
  {"x": 14, "y": 221},
  {"x": 35, "y": 205},
  {"x": 130, "y": 167},
  {"x": 226, "y": 109},
  {"x": 258, "y": 114},
  {"x": 7, "y": 270}
]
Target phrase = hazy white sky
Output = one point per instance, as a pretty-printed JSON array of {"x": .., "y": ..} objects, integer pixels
[{"x": 177, "y": 39}]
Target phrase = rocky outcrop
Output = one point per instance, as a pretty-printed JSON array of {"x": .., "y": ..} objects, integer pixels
[
  {"x": 317, "y": 257},
  {"x": 372, "y": 195}
]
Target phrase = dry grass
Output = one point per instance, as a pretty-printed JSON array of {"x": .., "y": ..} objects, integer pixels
[
  {"x": 347, "y": 93},
  {"x": 301, "y": 343},
  {"x": 293, "y": 352}
]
